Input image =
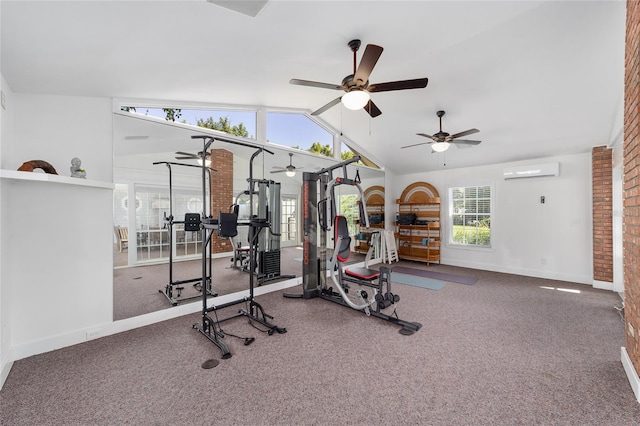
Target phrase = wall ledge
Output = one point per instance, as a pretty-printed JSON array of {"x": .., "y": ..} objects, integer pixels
[{"x": 45, "y": 177}]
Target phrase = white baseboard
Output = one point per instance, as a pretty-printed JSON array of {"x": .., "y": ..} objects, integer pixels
[
  {"x": 6, "y": 368},
  {"x": 97, "y": 331},
  {"x": 603, "y": 285},
  {"x": 632, "y": 374},
  {"x": 536, "y": 273}
]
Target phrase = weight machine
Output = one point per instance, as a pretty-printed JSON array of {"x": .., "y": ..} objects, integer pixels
[
  {"x": 191, "y": 224},
  {"x": 351, "y": 286},
  {"x": 224, "y": 224},
  {"x": 268, "y": 242}
]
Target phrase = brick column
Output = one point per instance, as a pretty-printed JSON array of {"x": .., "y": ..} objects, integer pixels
[
  {"x": 631, "y": 214},
  {"x": 602, "y": 198},
  {"x": 221, "y": 192}
]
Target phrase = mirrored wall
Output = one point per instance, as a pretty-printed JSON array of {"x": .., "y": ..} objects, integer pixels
[{"x": 151, "y": 257}]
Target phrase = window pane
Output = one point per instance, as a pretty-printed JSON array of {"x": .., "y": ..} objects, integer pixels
[
  {"x": 470, "y": 206},
  {"x": 484, "y": 206},
  {"x": 238, "y": 123},
  {"x": 300, "y": 132}
]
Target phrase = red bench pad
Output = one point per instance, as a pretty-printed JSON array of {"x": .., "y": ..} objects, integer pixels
[{"x": 362, "y": 273}]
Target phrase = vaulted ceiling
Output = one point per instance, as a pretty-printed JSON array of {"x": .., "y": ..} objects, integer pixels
[{"x": 537, "y": 78}]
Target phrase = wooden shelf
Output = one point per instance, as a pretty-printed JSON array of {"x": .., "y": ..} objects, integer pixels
[
  {"x": 46, "y": 177},
  {"x": 419, "y": 241}
]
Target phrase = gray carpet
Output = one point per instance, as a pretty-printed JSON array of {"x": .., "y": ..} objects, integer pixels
[{"x": 505, "y": 351}]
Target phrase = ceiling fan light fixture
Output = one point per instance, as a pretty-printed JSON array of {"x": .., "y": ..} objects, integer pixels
[
  {"x": 440, "y": 146},
  {"x": 290, "y": 173},
  {"x": 207, "y": 162},
  {"x": 355, "y": 99}
]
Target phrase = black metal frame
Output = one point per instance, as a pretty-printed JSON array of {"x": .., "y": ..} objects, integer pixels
[
  {"x": 314, "y": 261},
  {"x": 210, "y": 327},
  {"x": 168, "y": 289}
]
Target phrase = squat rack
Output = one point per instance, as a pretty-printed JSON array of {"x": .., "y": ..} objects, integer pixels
[
  {"x": 210, "y": 327},
  {"x": 190, "y": 223}
]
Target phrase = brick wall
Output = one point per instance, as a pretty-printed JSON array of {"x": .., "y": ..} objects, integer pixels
[
  {"x": 221, "y": 192},
  {"x": 602, "y": 187},
  {"x": 631, "y": 214}
]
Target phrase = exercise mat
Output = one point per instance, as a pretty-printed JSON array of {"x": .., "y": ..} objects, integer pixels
[
  {"x": 436, "y": 275},
  {"x": 416, "y": 281}
]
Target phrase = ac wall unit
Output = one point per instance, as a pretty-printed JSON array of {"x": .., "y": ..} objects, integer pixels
[{"x": 534, "y": 170}]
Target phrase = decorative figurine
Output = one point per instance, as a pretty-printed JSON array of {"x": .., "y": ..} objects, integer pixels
[{"x": 76, "y": 171}]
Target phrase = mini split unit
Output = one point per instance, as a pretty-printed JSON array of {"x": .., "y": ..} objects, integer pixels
[{"x": 534, "y": 170}]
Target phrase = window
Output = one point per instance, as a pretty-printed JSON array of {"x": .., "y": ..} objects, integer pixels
[
  {"x": 234, "y": 122},
  {"x": 349, "y": 208},
  {"x": 300, "y": 132},
  {"x": 470, "y": 216}
]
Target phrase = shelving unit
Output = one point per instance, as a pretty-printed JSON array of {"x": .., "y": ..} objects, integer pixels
[
  {"x": 374, "y": 200},
  {"x": 420, "y": 240}
]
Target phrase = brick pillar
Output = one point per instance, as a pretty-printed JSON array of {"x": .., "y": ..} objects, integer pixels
[
  {"x": 602, "y": 198},
  {"x": 631, "y": 214},
  {"x": 221, "y": 192}
]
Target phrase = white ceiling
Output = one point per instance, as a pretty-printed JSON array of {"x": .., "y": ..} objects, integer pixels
[{"x": 537, "y": 78}]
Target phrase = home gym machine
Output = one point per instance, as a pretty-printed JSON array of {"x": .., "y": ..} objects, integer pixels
[
  {"x": 210, "y": 327},
  {"x": 191, "y": 223},
  {"x": 268, "y": 243},
  {"x": 352, "y": 286}
]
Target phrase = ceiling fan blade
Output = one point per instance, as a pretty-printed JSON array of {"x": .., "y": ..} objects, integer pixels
[
  {"x": 315, "y": 84},
  {"x": 327, "y": 106},
  {"x": 465, "y": 142},
  {"x": 415, "y": 144},
  {"x": 187, "y": 154},
  {"x": 418, "y": 83},
  {"x": 279, "y": 171},
  {"x": 369, "y": 59},
  {"x": 186, "y": 158},
  {"x": 426, "y": 136},
  {"x": 465, "y": 133},
  {"x": 372, "y": 109}
]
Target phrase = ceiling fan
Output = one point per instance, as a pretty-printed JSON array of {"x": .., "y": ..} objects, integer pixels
[
  {"x": 357, "y": 85},
  {"x": 188, "y": 156},
  {"x": 290, "y": 170},
  {"x": 442, "y": 140}
]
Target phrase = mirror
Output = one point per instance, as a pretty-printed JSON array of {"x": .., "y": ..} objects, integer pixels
[{"x": 144, "y": 239}]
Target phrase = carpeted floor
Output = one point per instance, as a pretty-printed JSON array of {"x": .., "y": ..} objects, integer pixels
[{"x": 509, "y": 350}]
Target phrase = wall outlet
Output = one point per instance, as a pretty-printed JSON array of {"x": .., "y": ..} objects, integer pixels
[{"x": 94, "y": 334}]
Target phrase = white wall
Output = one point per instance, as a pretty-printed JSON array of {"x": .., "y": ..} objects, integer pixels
[
  {"x": 59, "y": 266},
  {"x": 550, "y": 240},
  {"x": 5, "y": 295}
]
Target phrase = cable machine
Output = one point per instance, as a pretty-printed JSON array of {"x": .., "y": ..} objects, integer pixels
[
  {"x": 352, "y": 286},
  {"x": 268, "y": 244},
  {"x": 210, "y": 327},
  {"x": 191, "y": 224}
]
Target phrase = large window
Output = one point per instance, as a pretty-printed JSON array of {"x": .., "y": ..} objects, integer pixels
[
  {"x": 300, "y": 132},
  {"x": 470, "y": 215},
  {"x": 234, "y": 122}
]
